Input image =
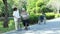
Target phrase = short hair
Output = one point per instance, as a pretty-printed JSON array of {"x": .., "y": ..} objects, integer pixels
[
  {"x": 14, "y": 9},
  {"x": 23, "y": 9}
]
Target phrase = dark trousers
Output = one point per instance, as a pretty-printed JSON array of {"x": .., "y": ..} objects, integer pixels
[{"x": 26, "y": 22}]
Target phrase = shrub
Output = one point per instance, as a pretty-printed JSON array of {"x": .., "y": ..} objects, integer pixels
[
  {"x": 45, "y": 9},
  {"x": 50, "y": 15},
  {"x": 57, "y": 15},
  {"x": 33, "y": 18}
]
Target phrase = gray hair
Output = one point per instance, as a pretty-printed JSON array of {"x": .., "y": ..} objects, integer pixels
[{"x": 23, "y": 9}]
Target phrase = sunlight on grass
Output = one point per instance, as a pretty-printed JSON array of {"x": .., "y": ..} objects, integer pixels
[{"x": 11, "y": 26}]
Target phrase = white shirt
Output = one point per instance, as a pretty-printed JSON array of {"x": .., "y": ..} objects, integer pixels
[{"x": 16, "y": 15}]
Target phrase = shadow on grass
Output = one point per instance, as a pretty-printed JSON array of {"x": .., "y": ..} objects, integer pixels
[{"x": 11, "y": 26}]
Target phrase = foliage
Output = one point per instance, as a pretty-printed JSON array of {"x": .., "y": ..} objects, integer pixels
[
  {"x": 37, "y": 6},
  {"x": 57, "y": 15},
  {"x": 11, "y": 26},
  {"x": 11, "y": 3},
  {"x": 33, "y": 18},
  {"x": 40, "y": 3},
  {"x": 1, "y": 7},
  {"x": 50, "y": 15},
  {"x": 45, "y": 9},
  {"x": 32, "y": 6}
]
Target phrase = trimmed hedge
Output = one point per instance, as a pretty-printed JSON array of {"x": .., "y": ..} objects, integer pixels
[
  {"x": 50, "y": 15},
  {"x": 57, "y": 15},
  {"x": 34, "y": 17}
]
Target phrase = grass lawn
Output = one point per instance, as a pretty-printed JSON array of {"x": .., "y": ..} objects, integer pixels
[{"x": 11, "y": 26}]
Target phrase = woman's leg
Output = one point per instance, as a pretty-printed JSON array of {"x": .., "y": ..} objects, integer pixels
[
  {"x": 44, "y": 20},
  {"x": 19, "y": 20},
  {"x": 27, "y": 24},
  {"x": 23, "y": 23},
  {"x": 16, "y": 25}
]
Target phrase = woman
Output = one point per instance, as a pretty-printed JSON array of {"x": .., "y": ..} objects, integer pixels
[
  {"x": 16, "y": 18},
  {"x": 42, "y": 18},
  {"x": 25, "y": 18}
]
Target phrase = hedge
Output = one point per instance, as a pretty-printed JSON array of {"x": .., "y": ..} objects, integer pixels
[
  {"x": 34, "y": 17},
  {"x": 50, "y": 15}
]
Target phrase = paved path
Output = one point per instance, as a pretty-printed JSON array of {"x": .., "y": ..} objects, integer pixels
[{"x": 51, "y": 27}]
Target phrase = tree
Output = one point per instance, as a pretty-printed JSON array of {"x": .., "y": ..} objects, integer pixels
[
  {"x": 31, "y": 5},
  {"x": 36, "y": 5},
  {"x": 5, "y": 24},
  {"x": 1, "y": 7},
  {"x": 54, "y": 4}
]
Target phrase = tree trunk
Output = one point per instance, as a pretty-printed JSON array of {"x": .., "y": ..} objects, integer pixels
[{"x": 5, "y": 24}]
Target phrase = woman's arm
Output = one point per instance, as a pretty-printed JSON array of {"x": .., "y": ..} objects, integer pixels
[{"x": 14, "y": 14}]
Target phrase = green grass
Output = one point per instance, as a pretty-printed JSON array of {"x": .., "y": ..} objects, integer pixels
[{"x": 11, "y": 26}]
